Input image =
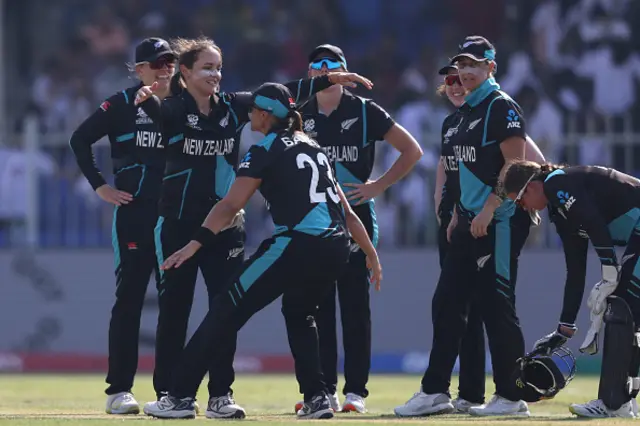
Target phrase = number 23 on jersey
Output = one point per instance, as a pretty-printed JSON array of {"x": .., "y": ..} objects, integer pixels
[{"x": 322, "y": 160}]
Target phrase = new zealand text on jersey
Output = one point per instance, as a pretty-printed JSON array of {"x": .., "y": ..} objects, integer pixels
[
  {"x": 450, "y": 163},
  {"x": 207, "y": 147},
  {"x": 464, "y": 153},
  {"x": 342, "y": 154},
  {"x": 148, "y": 139}
]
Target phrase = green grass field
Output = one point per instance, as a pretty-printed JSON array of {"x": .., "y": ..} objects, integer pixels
[{"x": 268, "y": 399}]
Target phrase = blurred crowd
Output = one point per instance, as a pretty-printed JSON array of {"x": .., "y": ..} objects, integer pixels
[{"x": 573, "y": 65}]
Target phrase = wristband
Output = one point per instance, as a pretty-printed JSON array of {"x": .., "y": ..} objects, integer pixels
[
  {"x": 572, "y": 327},
  {"x": 204, "y": 236}
]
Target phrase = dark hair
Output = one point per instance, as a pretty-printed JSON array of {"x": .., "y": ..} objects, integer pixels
[
  {"x": 188, "y": 50},
  {"x": 518, "y": 173},
  {"x": 293, "y": 122}
]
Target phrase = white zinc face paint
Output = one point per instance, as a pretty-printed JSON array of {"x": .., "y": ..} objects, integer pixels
[
  {"x": 208, "y": 73},
  {"x": 477, "y": 71}
]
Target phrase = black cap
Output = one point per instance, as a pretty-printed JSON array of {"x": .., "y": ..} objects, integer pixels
[
  {"x": 274, "y": 98},
  {"x": 445, "y": 70},
  {"x": 329, "y": 48},
  {"x": 477, "y": 48},
  {"x": 151, "y": 49}
]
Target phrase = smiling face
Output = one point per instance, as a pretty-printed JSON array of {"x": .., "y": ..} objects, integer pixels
[
  {"x": 205, "y": 75},
  {"x": 453, "y": 88},
  {"x": 473, "y": 73},
  {"x": 161, "y": 70}
]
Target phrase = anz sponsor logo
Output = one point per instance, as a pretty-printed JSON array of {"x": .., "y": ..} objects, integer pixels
[
  {"x": 245, "y": 162},
  {"x": 147, "y": 139},
  {"x": 565, "y": 199},
  {"x": 208, "y": 148},
  {"x": 513, "y": 121},
  {"x": 342, "y": 154}
]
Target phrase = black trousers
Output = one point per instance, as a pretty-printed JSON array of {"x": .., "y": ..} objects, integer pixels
[
  {"x": 471, "y": 386},
  {"x": 629, "y": 283},
  {"x": 480, "y": 270},
  {"x": 299, "y": 267},
  {"x": 217, "y": 264},
  {"x": 135, "y": 261},
  {"x": 352, "y": 288}
]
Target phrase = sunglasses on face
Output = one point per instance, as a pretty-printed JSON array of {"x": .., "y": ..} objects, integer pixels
[
  {"x": 330, "y": 63},
  {"x": 452, "y": 79},
  {"x": 161, "y": 62},
  {"x": 518, "y": 199}
]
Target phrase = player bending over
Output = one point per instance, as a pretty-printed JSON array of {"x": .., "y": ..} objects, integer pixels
[{"x": 602, "y": 205}]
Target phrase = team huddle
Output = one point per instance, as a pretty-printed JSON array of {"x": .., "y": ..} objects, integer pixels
[{"x": 180, "y": 189}]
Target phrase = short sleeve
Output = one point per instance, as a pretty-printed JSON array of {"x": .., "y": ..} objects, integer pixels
[
  {"x": 257, "y": 160},
  {"x": 506, "y": 121},
  {"x": 378, "y": 121}
]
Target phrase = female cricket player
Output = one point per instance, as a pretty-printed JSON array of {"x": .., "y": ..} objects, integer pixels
[
  {"x": 485, "y": 244},
  {"x": 602, "y": 205},
  {"x": 348, "y": 127},
  {"x": 309, "y": 250},
  {"x": 471, "y": 386},
  {"x": 200, "y": 127},
  {"x": 138, "y": 157}
]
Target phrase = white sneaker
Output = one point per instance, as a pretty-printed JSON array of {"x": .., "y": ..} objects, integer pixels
[
  {"x": 499, "y": 406},
  {"x": 422, "y": 404},
  {"x": 224, "y": 407},
  {"x": 596, "y": 409},
  {"x": 462, "y": 405},
  {"x": 355, "y": 403},
  {"x": 169, "y": 407},
  {"x": 195, "y": 406},
  {"x": 333, "y": 400},
  {"x": 122, "y": 403},
  {"x": 592, "y": 409}
]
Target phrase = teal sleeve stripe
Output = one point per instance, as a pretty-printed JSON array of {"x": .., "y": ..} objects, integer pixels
[{"x": 259, "y": 266}]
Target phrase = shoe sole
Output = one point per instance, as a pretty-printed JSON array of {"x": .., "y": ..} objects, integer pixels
[
  {"x": 444, "y": 410},
  {"x": 239, "y": 414},
  {"x": 124, "y": 413},
  {"x": 350, "y": 408},
  {"x": 185, "y": 415},
  {"x": 323, "y": 414},
  {"x": 299, "y": 406},
  {"x": 518, "y": 414}
]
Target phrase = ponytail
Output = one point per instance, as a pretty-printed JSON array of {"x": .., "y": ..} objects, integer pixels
[
  {"x": 296, "y": 121},
  {"x": 547, "y": 168},
  {"x": 177, "y": 84}
]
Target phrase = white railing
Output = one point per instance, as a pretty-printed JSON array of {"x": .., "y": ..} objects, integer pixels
[{"x": 62, "y": 212}]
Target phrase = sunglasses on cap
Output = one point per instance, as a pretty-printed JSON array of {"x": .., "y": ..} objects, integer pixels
[
  {"x": 518, "y": 199},
  {"x": 452, "y": 79},
  {"x": 330, "y": 63},
  {"x": 161, "y": 62}
]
